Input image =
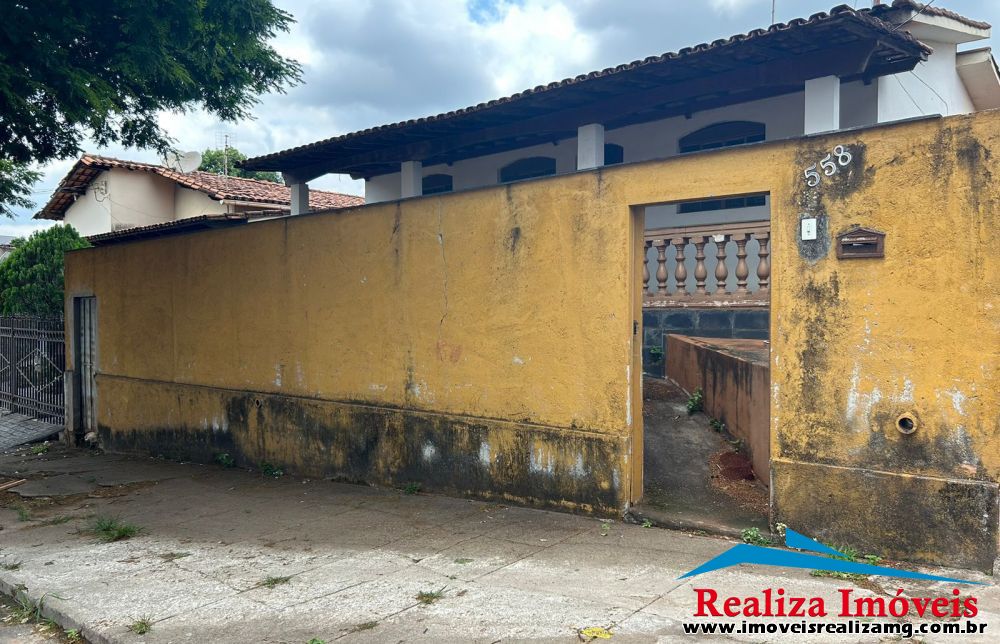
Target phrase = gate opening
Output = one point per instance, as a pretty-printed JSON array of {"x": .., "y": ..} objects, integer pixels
[{"x": 705, "y": 361}]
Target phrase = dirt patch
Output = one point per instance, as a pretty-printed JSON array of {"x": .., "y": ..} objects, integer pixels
[
  {"x": 731, "y": 474},
  {"x": 661, "y": 389},
  {"x": 40, "y": 506}
]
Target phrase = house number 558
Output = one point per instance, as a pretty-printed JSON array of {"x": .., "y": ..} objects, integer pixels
[{"x": 828, "y": 165}]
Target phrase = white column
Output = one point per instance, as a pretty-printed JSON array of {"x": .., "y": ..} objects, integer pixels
[
  {"x": 589, "y": 146},
  {"x": 822, "y": 104},
  {"x": 300, "y": 197},
  {"x": 411, "y": 174}
]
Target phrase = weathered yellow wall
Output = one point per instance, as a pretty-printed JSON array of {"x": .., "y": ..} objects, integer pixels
[
  {"x": 509, "y": 303},
  {"x": 504, "y": 305}
]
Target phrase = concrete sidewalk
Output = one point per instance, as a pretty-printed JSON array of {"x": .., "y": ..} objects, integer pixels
[
  {"x": 18, "y": 429},
  {"x": 232, "y": 556}
]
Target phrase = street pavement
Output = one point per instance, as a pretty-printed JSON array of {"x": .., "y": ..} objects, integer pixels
[{"x": 226, "y": 555}]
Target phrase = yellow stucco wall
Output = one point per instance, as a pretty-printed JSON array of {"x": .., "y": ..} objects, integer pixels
[{"x": 509, "y": 304}]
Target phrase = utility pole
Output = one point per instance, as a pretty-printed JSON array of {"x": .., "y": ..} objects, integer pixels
[
  {"x": 225, "y": 156},
  {"x": 773, "y": 3}
]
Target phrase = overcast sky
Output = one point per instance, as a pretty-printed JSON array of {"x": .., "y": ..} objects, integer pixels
[{"x": 370, "y": 62}]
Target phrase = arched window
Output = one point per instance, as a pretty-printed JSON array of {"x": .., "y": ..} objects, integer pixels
[
  {"x": 722, "y": 135},
  {"x": 613, "y": 154},
  {"x": 436, "y": 183},
  {"x": 527, "y": 168}
]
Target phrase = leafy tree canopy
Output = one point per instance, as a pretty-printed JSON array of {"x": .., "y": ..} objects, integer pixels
[
  {"x": 71, "y": 70},
  {"x": 31, "y": 278},
  {"x": 16, "y": 180},
  {"x": 216, "y": 161}
]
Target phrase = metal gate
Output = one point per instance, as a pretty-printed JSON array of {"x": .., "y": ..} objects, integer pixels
[
  {"x": 86, "y": 335},
  {"x": 32, "y": 361}
]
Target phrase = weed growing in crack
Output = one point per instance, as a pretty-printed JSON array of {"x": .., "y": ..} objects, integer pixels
[
  {"x": 696, "y": 402},
  {"x": 142, "y": 625},
  {"x": 109, "y": 529},
  {"x": 429, "y": 597},
  {"x": 271, "y": 582},
  {"x": 271, "y": 470},
  {"x": 754, "y": 537},
  {"x": 225, "y": 459}
]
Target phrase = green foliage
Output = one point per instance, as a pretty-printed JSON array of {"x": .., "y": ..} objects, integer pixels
[
  {"x": 225, "y": 459},
  {"x": 142, "y": 625},
  {"x": 696, "y": 402},
  {"x": 429, "y": 596},
  {"x": 411, "y": 488},
  {"x": 103, "y": 71},
  {"x": 850, "y": 554},
  {"x": 215, "y": 161},
  {"x": 15, "y": 186},
  {"x": 717, "y": 425},
  {"x": 271, "y": 470},
  {"x": 109, "y": 529},
  {"x": 272, "y": 581},
  {"x": 656, "y": 355},
  {"x": 31, "y": 278},
  {"x": 754, "y": 537}
]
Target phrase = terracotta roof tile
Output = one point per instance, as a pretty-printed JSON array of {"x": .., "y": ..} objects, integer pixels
[
  {"x": 927, "y": 10},
  {"x": 869, "y": 17},
  {"x": 215, "y": 186}
]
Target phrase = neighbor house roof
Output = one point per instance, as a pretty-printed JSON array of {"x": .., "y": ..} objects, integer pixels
[
  {"x": 845, "y": 42},
  {"x": 215, "y": 186},
  {"x": 177, "y": 226},
  {"x": 884, "y": 10}
]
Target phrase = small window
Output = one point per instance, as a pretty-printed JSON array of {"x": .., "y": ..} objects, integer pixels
[
  {"x": 437, "y": 183},
  {"x": 613, "y": 154},
  {"x": 527, "y": 169},
  {"x": 722, "y": 135},
  {"x": 721, "y": 204}
]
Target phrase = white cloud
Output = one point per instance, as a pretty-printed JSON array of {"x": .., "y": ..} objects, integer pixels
[{"x": 370, "y": 62}]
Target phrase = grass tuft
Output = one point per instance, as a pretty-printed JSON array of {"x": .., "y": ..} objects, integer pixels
[
  {"x": 110, "y": 529},
  {"x": 142, "y": 625},
  {"x": 429, "y": 597},
  {"x": 271, "y": 582}
]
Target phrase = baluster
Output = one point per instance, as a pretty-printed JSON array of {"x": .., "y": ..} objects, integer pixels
[
  {"x": 645, "y": 267},
  {"x": 700, "y": 272},
  {"x": 721, "y": 270},
  {"x": 680, "y": 271},
  {"x": 764, "y": 267},
  {"x": 661, "y": 266},
  {"x": 742, "y": 270}
]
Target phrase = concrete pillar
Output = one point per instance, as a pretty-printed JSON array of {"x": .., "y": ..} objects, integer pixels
[
  {"x": 822, "y": 104},
  {"x": 589, "y": 146},
  {"x": 300, "y": 197},
  {"x": 411, "y": 174}
]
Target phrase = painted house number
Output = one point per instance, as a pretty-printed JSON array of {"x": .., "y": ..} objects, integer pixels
[{"x": 827, "y": 164}]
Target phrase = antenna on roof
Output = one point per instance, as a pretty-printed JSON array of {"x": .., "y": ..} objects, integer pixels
[
  {"x": 773, "y": 3},
  {"x": 187, "y": 162}
]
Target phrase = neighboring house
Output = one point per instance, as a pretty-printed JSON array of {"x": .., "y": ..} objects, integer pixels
[
  {"x": 646, "y": 110},
  {"x": 6, "y": 246},
  {"x": 103, "y": 196},
  {"x": 479, "y": 333}
]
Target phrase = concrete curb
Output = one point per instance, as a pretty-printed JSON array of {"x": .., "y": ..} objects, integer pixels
[{"x": 56, "y": 614}]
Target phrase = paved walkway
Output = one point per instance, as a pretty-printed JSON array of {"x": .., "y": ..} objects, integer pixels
[
  {"x": 18, "y": 429},
  {"x": 231, "y": 556}
]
